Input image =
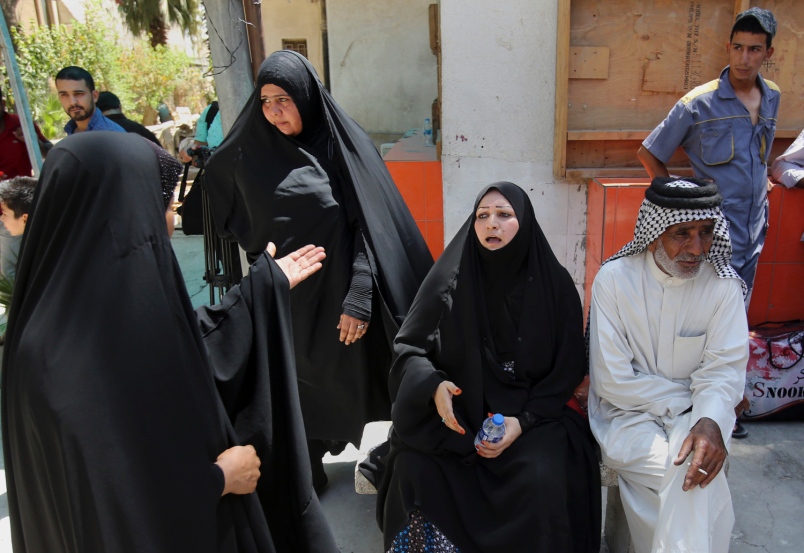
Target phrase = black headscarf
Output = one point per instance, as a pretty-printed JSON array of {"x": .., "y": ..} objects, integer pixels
[
  {"x": 542, "y": 493},
  {"x": 502, "y": 277},
  {"x": 111, "y": 421},
  {"x": 533, "y": 300},
  {"x": 288, "y": 73},
  {"x": 328, "y": 187},
  {"x": 255, "y": 161}
]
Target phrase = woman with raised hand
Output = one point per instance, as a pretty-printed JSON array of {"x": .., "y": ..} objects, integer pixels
[
  {"x": 496, "y": 327},
  {"x": 115, "y": 436},
  {"x": 296, "y": 169}
]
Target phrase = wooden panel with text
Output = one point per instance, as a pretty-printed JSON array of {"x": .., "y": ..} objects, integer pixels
[{"x": 657, "y": 51}]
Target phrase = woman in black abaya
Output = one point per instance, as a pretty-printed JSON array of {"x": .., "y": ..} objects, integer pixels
[
  {"x": 497, "y": 327},
  {"x": 114, "y": 435},
  {"x": 296, "y": 169}
]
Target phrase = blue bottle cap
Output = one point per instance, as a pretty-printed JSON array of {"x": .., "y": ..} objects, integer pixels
[{"x": 498, "y": 419}]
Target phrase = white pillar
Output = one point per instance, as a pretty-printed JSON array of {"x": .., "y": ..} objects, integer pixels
[{"x": 498, "y": 87}]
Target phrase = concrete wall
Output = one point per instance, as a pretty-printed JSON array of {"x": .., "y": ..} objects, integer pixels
[
  {"x": 498, "y": 85},
  {"x": 25, "y": 12},
  {"x": 292, "y": 19},
  {"x": 382, "y": 69}
]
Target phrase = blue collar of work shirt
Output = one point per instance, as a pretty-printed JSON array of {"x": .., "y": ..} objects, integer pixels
[
  {"x": 766, "y": 106},
  {"x": 96, "y": 123}
]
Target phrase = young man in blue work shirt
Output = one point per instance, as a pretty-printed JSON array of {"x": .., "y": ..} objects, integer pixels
[
  {"x": 726, "y": 128},
  {"x": 77, "y": 95}
]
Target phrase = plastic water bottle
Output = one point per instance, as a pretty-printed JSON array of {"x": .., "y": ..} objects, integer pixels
[
  {"x": 492, "y": 430},
  {"x": 428, "y": 132}
]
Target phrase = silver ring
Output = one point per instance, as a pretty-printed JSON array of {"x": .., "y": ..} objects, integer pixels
[
  {"x": 361, "y": 327},
  {"x": 442, "y": 420},
  {"x": 702, "y": 471}
]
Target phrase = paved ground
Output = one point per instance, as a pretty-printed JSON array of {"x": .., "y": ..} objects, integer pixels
[
  {"x": 766, "y": 477},
  {"x": 190, "y": 253},
  {"x": 766, "y": 474}
]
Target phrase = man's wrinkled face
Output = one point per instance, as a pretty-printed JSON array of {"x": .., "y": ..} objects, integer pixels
[
  {"x": 681, "y": 249},
  {"x": 76, "y": 98}
]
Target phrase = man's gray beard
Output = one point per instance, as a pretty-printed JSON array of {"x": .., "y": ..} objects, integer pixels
[{"x": 672, "y": 267}]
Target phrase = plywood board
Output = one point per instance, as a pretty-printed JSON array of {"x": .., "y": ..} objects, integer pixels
[
  {"x": 589, "y": 62},
  {"x": 660, "y": 49},
  {"x": 611, "y": 153},
  {"x": 647, "y": 67}
]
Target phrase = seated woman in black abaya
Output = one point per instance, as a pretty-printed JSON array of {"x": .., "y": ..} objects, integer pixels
[
  {"x": 496, "y": 327},
  {"x": 296, "y": 169},
  {"x": 114, "y": 434}
]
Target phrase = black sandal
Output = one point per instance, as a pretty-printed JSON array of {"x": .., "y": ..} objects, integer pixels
[{"x": 739, "y": 431}]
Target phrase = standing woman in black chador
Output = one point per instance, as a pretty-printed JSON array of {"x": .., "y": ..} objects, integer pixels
[
  {"x": 115, "y": 437},
  {"x": 497, "y": 327},
  {"x": 295, "y": 169}
]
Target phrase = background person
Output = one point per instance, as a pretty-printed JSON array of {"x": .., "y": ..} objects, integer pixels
[
  {"x": 788, "y": 169},
  {"x": 208, "y": 131},
  {"x": 16, "y": 195},
  {"x": 496, "y": 327},
  {"x": 109, "y": 105},
  {"x": 726, "y": 127},
  {"x": 668, "y": 348},
  {"x": 14, "y": 161},
  {"x": 16, "y": 199},
  {"x": 77, "y": 94},
  {"x": 296, "y": 169},
  {"x": 115, "y": 437}
]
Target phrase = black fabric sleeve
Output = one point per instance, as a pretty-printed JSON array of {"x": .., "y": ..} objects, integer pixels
[
  {"x": 218, "y": 477},
  {"x": 358, "y": 300},
  {"x": 526, "y": 420},
  {"x": 547, "y": 399},
  {"x": 416, "y": 372}
]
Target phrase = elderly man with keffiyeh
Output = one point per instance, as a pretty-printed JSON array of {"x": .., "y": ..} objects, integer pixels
[{"x": 668, "y": 347}]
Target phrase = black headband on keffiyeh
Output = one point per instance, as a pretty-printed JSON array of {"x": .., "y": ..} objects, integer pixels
[{"x": 669, "y": 201}]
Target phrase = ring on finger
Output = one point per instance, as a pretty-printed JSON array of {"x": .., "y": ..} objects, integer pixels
[
  {"x": 702, "y": 471},
  {"x": 361, "y": 327}
]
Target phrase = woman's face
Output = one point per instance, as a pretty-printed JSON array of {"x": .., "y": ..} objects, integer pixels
[
  {"x": 280, "y": 110},
  {"x": 495, "y": 221}
]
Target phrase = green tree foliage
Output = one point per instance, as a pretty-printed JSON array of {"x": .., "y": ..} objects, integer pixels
[
  {"x": 6, "y": 292},
  {"x": 43, "y": 51},
  {"x": 141, "y": 76},
  {"x": 152, "y": 17},
  {"x": 51, "y": 117},
  {"x": 168, "y": 71}
]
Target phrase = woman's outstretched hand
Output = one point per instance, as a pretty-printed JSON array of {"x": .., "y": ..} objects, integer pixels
[
  {"x": 241, "y": 469},
  {"x": 443, "y": 400},
  {"x": 352, "y": 329},
  {"x": 512, "y": 432},
  {"x": 300, "y": 264}
]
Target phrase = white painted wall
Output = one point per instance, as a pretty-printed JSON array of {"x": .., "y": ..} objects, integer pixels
[
  {"x": 292, "y": 19},
  {"x": 382, "y": 69},
  {"x": 498, "y": 116}
]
